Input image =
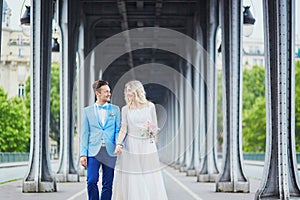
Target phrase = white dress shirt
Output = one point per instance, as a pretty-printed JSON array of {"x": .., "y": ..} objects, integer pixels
[{"x": 102, "y": 117}]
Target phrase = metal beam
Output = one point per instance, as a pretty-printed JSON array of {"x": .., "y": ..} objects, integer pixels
[
  {"x": 280, "y": 177},
  {"x": 232, "y": 178},
  {"x": 69, "y": 32},
  {"x": 145, "y": 1},
  {"x": 39, "y": 177},
  {"x": 190, "y": 134},
  {"x": 124, "y": 23},
  {"x": 209, "y": 170}
]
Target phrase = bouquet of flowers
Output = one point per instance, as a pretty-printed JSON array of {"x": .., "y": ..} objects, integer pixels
[{"x": 149, "y": 130}]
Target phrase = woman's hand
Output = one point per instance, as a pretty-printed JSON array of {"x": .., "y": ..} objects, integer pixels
[{"x": 118, "y": 150}]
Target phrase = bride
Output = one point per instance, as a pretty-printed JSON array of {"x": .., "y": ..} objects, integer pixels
[{"x": 138, "y": 172}]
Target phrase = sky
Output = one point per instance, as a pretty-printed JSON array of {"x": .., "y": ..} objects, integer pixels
[{"x": 256, "y": 9}]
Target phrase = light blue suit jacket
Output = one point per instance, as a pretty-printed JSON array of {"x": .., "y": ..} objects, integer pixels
[{"x": 93, "y": 131}]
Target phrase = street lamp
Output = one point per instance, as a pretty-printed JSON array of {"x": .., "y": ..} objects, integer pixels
[
  {"x": 248, "y": 17},
  {"x": 55, "y": 45},
  {"x": 25, "y": 25},
  {"x": 248, "y": 22},
  {"x": 25, "y": 20}
]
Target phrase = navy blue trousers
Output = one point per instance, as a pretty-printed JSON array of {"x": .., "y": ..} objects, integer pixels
[{"x": 93, "y": 178}]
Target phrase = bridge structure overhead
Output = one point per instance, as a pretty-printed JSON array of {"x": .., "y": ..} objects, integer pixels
[{"x": 170, "y": 46}]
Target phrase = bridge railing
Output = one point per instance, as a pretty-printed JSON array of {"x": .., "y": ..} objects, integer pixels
[
  {"x": 254, "y": 156},
  {"x": 6, "y": 157},
  {"x": 261, "y": 156}
]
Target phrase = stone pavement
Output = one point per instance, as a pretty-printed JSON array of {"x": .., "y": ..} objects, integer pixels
[{"x": 178, "y": 185}]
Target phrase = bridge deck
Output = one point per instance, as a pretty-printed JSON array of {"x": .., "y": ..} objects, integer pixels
[{"x": 178, "y": 185}]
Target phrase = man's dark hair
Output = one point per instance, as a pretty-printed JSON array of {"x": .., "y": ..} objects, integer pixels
[{"x": 98, "y": 84}]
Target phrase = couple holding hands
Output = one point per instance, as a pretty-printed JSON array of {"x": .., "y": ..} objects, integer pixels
[{"x": 122, "y": 146}]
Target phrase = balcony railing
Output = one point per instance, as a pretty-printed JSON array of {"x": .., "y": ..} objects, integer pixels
[{"x": 17, "y": 42}]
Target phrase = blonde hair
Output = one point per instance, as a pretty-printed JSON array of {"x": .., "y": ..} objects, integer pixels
[{"x": 137, "y": 88}]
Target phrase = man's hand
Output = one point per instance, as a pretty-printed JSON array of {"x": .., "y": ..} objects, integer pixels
[{"x": 83, "y": 161}]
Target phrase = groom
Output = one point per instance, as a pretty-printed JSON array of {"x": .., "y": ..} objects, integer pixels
[{"x": 100, "y": 128}]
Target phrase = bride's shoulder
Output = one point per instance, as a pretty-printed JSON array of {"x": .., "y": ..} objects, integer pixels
[{"x": 150, "y": 104}]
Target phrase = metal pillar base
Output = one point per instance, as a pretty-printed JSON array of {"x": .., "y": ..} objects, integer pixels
[
  {"x": 173, "y": 164},
  {"x": 182, "y": 169},
  {"x": 191, "y": 172},
  {"x": 81, "y": 171},
  {"x": 39, "y": 186},
  {"x": 207, "y": 177},
  {"x": 233, "y": 187},
  {"x": 67, "y": 177},
  {"x": 177, "y": 166}
]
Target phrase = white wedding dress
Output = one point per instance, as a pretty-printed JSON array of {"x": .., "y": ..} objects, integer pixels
[{"x": 138, "y": 170}]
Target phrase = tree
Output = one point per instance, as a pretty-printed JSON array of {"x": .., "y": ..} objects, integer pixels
[
  {"x": 253, "y": 86},
  {"x": 15, "y": 131},
  {"x": 220, "y": 112},
  {"x": 54, "y": 102},
  {"x": 297, "y": 106},
  {"x": 254, "y": 126},
  {"x": 254, "y": 110}
]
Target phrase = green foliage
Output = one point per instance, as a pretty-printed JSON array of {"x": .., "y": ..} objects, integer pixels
[
  {"x": 297, "y": 106},
  {"x": 254, "y": 126},
  {"x": 54, "y": 102},
  {"x": 15, "y": 131},
  {"x": 254, "y": 110},
  {"x": 253, "y": 86},
  {"x": 220, "y": 110}
]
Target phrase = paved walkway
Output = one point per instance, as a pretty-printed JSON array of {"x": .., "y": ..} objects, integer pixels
[{"x": 179, "y": 187}]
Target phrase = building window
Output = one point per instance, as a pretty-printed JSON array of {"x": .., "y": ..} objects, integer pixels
[
  {"x": 254, "y": 62},
  {"x": 20, "y": 40},
  {"x": 53, "y": 151},
  {"x": 251, "y": 50},
  {"x": 258, "y": 51},
  {"x": 21, "y": 90},
  {"x": 20, "y": 52}
]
